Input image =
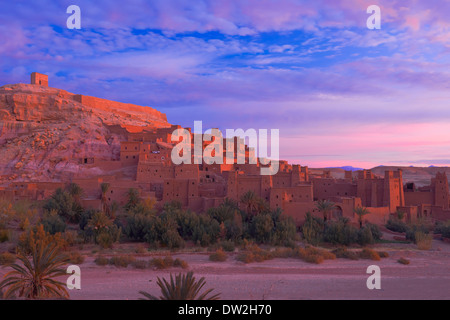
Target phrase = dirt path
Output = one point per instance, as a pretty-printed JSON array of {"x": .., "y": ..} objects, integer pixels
[{"x": 427, "y": 277}]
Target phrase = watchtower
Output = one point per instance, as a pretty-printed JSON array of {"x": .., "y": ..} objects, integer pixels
[{"x": 39, "y": 79}]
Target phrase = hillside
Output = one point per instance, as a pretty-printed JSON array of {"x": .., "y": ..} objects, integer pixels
[
  {"x": 45, "y": 133},
  {"x": 421, "y": 176}
]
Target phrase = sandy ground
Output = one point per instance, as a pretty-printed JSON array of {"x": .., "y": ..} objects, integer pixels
[{"x": 426, "y": 277}]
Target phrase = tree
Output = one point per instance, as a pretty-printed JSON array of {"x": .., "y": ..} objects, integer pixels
[
  {"x": 361, "y": 211},
  {"x": 35, "y": 279},
  {"x": 183, "y": 287},
  {"x": 133, "y": 199},
  {"x": 75, "y": 191},
  {"x": 325, "y": 207},
  {"x": 65, "y": 204},
  {"x": 251, "y": 202},
  {"x": 105, "y": 207}
]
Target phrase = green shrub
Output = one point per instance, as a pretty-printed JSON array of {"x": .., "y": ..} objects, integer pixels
[
  {"x": 396, "y": 225},
  {"x": 375, "y": 230},
  {"x": 285, "y": 232},
  {"x": 227, "y": 245},
  {"x": 262, "y": 227},
  {"x": 65, "y": 204},
  {"x": 164, "y": 230},
  {"x": 403, "y": 261},
  {"x": 369, "y": 254},
  {"x": 414, "y": 229},
  {"x": 365, "y": 236},
  {"x": 138, "y": 225},
  {"x": 218, "y": 256},
  {"x": 443, "y": 228},
  {"x": 7, "y": 258},
  {"x": 101, "y": 261},
  {"x": 312, "y": 229},
  {"x": 340, "y": 232},
  {"x": 53, "y": 223}
]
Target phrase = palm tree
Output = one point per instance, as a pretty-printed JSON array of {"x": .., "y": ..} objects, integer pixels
[
  {"x": 325, "y": 207},
  {"x": 250, "y": 201},
  {"x": 133, "y": 199},
  {"x": 183, "y": 287},
  {"x": 75, "y": 191},
  {"x": 35, "y": 279},
  {"x": 105, "y": 208},
  {"x": 361, "y": 211}
]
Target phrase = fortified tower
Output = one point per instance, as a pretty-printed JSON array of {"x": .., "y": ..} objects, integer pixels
[
  {"x": 39, "y": 79},
  {"x": 441, "y": 190}
]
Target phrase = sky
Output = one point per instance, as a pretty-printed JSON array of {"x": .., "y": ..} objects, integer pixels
[{"x": 340, "y": 93}]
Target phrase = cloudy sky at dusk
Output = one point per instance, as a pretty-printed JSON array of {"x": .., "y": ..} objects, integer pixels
[{"x": 340, "y": 94}]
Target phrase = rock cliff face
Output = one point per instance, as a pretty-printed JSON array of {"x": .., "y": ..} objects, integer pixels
[{"x": 46, "y": 133}]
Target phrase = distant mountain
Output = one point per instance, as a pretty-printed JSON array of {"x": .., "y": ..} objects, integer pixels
[{"x": 347, "y": 168}]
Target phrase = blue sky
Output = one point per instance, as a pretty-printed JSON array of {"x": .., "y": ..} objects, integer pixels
[{"x": 340, "y": 94}]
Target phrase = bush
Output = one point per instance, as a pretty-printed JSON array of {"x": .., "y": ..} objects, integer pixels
[
  {"x": 7, "y": 258},
  {"x": 227, "y": 245},
  {"x": 254, "y": 253},
  {"x": 162, "y": 263},
  {"x": 75, "y": 257},
  {"x": 4, "y": 235},
  {"x": 343, "y": 253},
  {"x": 365, "y": 236},
  {"x": 340, "y": 232},
  {"x": 314, "y": 258},
  {"x": 101, "y": 261},
  {"x": 180, "y": 263},
  {"x": 53, "y": 223},
  {"x": 369, "y": 254},
  {"x": 65, "y": 205},
  {"x": 218, "y": 256},
  {"x": 315, "y": 255},
  {"x": 168, "y": 261},
  {"x": 29, "y": 238},
  {"x": 396, "y": 225},
  {"x": 140, "y": 264},
  {"x": 423, "y": 240},
  {"x": 403, "y": 261},
  {"x": 376, "y": 232},
  {"x": 122, "y": 261},
  {"x": 383, "y": 254},
  {"x": 138, "y": 226},
  {"x": 285, "y": 232},
  {"x": 312, "y": 229},
  {"x": 262, "y": 227},
  {"x": 419, "y": 229},
  {"x": 443, "y": 228},
  {"x": 164, "y": 230}
]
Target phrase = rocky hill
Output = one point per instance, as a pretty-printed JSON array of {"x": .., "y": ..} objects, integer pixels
[{"x": 46, "y": 132}]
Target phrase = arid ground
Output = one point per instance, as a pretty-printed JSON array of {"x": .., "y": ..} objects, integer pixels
[{"x": 426, "y": 277}]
